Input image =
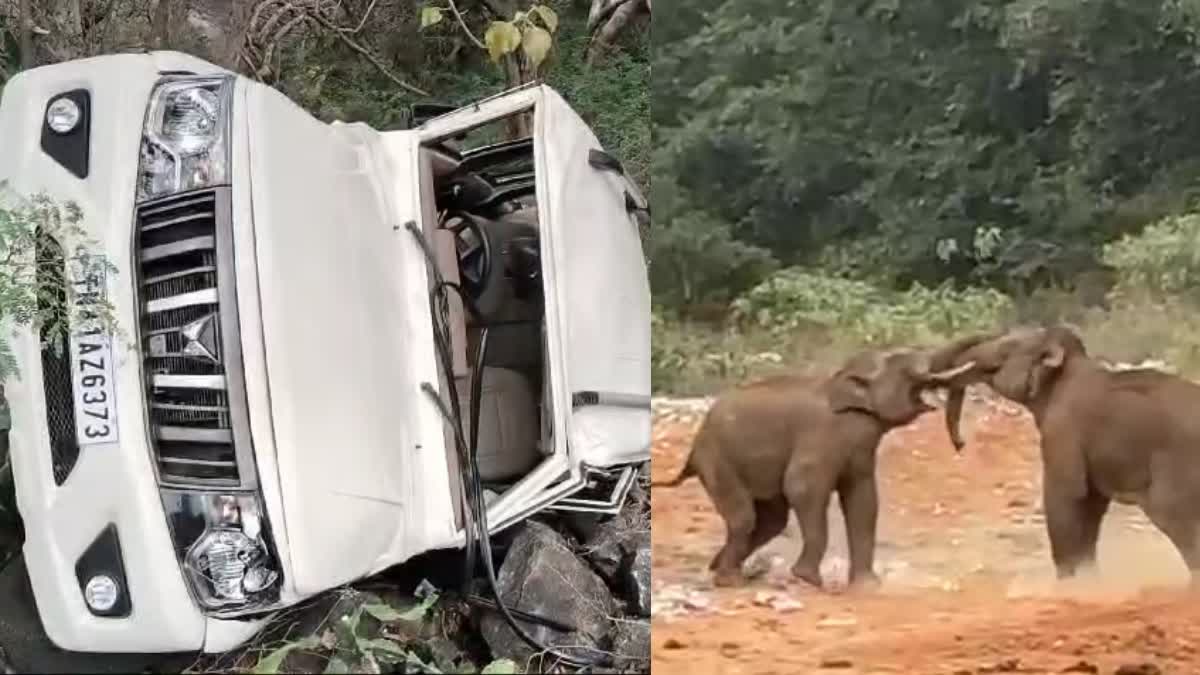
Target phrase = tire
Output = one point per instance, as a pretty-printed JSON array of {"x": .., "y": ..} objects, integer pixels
[{"x": 25, "y": 648}]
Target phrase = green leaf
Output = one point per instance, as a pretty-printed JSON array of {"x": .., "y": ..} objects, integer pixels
[
  {"x": 382, "y": 645},
  {"x": 387, "y": 613},
  {"x": 431, "y": 15},
  {"x": 501, "y": 38},
  {"x": 418, "y": 612},
  {"x": 549, "y": 17},
  {"x": 383, "y": 612},
  {"x": 337, "y": 665},
  {"x": 536, "y": 43},
  {"x": 272, "y": 662},
  {"x": 500, "y": 667},
  {"x": 414, "y": 661}
]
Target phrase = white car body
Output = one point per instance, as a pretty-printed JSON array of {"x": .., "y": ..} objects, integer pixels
[{"x": 334, "y": 318}]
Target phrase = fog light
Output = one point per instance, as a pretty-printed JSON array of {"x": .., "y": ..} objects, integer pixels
[
  {"x": 63, "y": 116},
  {"x": 101, "y": 593}
]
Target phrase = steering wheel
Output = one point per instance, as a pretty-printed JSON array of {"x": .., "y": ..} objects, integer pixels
[{"x": 474, "y": 250}]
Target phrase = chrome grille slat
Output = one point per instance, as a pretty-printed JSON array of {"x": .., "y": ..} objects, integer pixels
[
  {"x": 151, "y": 210},
  {"x": 177, "y": 221},
  {"x": 195, "y": 407},
  {"x": 177, "y": 247},
  {"x": 163, "y": 381},
  {"x": 203, "y": 269},
  {"x": 194, "y": 435},
  {"x": 187, "y": 392},
  {"x": 207, "y": 296},
  {"x": 200, "y": 462}
]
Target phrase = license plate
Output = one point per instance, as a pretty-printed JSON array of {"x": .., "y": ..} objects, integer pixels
[{"x": 92, "y": 372}]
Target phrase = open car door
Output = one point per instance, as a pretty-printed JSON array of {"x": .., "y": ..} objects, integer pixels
[
  {"x": 596, "y": 271},
  {"x": 597, "y": 309}
]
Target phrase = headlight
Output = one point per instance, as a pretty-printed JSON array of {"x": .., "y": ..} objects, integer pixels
[
  {"x": 185, "y": 138},
  {"x": 225, "y": 549}
]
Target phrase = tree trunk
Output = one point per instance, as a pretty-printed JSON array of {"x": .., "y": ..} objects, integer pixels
[
  {"x": 161, "y": 28},
  {"x": 608, "y": 19},
  {"x": 25, "y": 37},
  {"x": 222, "y": 26}
]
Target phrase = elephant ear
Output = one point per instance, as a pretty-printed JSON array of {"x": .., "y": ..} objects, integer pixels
[
  {"x": 1060, "y": 343},
  {"x": 850, "y": 388},
  {"x": 1053, "y": 355}
]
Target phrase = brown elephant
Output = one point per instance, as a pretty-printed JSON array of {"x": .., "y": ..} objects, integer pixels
[
  {"x": 1132, "y": 436},
  {"x": 791, "y": 441}
]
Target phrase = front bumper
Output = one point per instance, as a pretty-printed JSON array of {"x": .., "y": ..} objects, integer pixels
[{"x": 111, "y": 485}]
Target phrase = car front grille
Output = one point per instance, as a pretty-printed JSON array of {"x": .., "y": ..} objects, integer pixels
[
  {"x": 190, "y": 381},
  {"x": 56, "y": 357}
]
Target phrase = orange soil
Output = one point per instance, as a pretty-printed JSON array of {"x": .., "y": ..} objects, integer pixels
[{"x": 968, "y": 584}]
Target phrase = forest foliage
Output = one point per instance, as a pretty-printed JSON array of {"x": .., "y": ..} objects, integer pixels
[{"x": 1000, "y": 143}]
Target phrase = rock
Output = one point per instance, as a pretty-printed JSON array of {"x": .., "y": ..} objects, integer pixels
[
  {"x": 779, "y": 602},
  {"x": 1082, "y": 667},
  {"x": 582, "y": 524},
  {"x": 1139, "y": 669},
  {"x": 631, "y": 645},
  {"x": 613, "y": 541},
  {"x": 542, "y": 576},
  {"x": 1005, "y": 666},
  {"x": 832, "y": 664},
  {"x": 837, "y": 622},
  {"x": 672, "y": 643},
  {"x": 637, "y": 580},
  {"x": 604, "y": 550}
]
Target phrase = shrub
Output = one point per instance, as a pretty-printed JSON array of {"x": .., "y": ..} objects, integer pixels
[
  {"x": 795, "y": 299},
  {"x": 1163, "y": 259}
]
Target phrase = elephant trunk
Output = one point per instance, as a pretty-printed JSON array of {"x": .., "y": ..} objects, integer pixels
[{"x": 950, "y": 357}]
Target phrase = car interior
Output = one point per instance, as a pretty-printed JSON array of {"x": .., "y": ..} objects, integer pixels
[{"x": 481, "y": 219}]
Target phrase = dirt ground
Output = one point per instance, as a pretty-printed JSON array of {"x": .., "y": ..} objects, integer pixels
[{"x": 968, "y": 585}]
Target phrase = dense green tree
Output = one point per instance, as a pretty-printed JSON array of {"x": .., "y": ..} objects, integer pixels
[{"x": 998, "y": 142}]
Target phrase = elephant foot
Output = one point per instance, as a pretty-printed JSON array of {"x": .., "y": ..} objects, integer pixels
[
  {"x": 729, "y": 579},
  {"x": 809, "y": 574},
  {"x": 864, "y": 581}
]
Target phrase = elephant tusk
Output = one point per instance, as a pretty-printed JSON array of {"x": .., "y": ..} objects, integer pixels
[{"x": 948, "y": 375}]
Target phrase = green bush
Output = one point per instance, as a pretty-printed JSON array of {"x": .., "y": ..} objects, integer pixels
[
  {"x": 794, "y": 299},
  {"x": 1163, "y": 259},
  {"x": 696, "y": 358}
]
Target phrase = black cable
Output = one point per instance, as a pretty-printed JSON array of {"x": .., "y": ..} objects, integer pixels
[{"x": 473, "y": 488}]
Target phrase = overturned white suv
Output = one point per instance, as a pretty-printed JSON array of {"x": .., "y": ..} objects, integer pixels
[{"x": 305, "y": 306}]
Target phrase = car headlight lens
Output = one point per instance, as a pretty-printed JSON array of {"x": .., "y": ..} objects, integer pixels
[
  {"x": 63, "y": 115},
  {"x": 225, "y": 549},
  {"x": 184, "y": 142}
]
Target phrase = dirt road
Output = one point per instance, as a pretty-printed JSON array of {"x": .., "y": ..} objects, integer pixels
[{"x": 968, "y": 585}]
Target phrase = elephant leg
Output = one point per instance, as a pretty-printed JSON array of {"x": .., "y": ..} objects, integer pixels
[
  {"x": 859, "y": 498},
  {"x": 1073, "y": 524},
  {"x": 1091, "y": 517},
  {"x": 771, "y": 518},
  {"x": 731, "y": 499},
  {"x": 810, "y": 500},
  {"x": 1182, "y": 526}
]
